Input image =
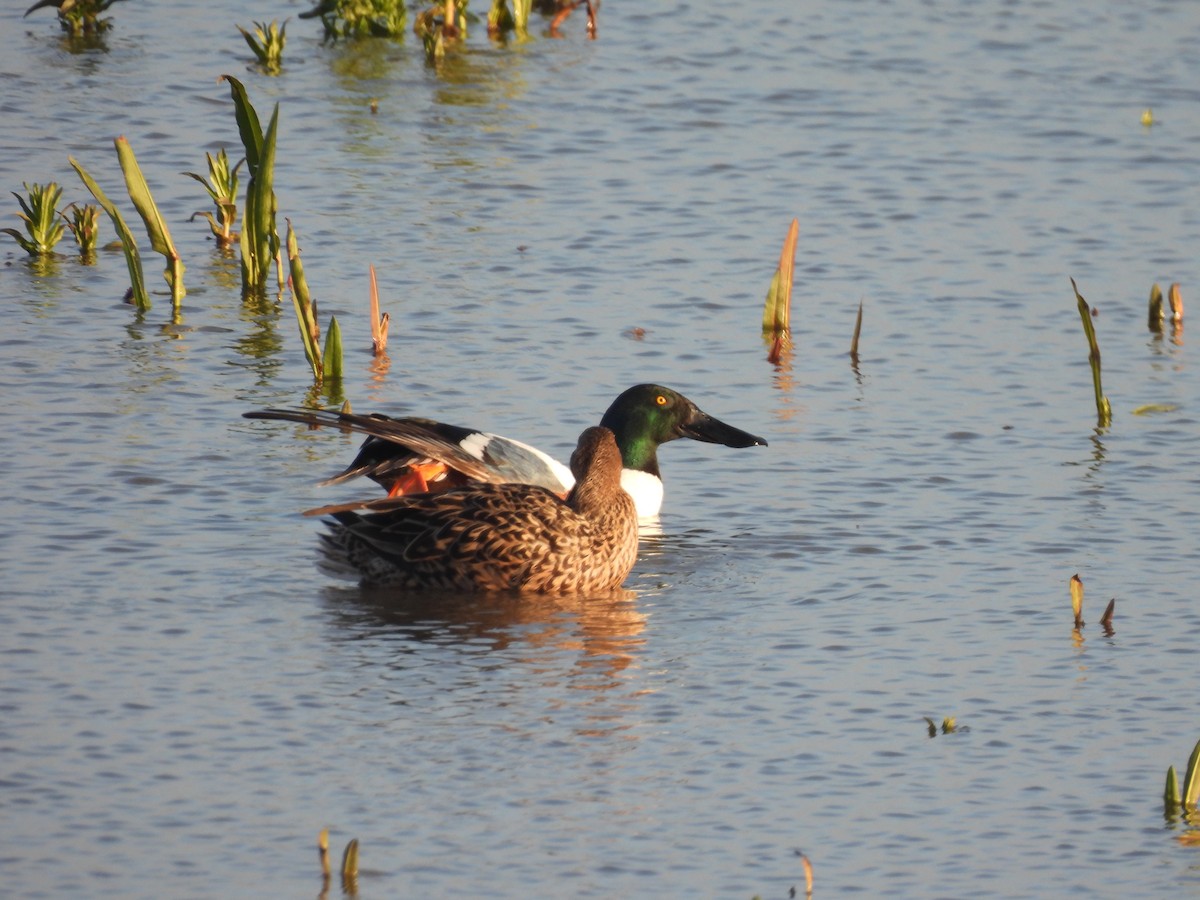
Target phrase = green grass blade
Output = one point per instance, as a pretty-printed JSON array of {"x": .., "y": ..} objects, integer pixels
[
  {"x": 857, "y": 333},
  {"x": 156, "y": 226},
  {"x": 333, "y": 350},
  {"x": 267, "y": 185},
  {"x": 1191, "y": 779},
  {"x": 1103, "y": 408},
  {"x": 1171, "y": 792},
  {"x": 247, "y": 122},
  {"x": 260, "y": 239},
  {"x": 1154, "y": 317},
  {"x": 350, "y": 860},
  {"x": 521, "y": 10},
  {"x": 310, "y": 332},
  {"x": 133, "y": 258}
]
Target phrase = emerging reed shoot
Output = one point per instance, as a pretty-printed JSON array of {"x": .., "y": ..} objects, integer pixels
[
  {"x": 1103, "y": 408},
  {"x": 156, "y": 225},
  {"x": 502, "y": 20},
  {"x": 1173, "y": 799},
  {"x": 360, "y": 18},
  {"x": 222, "y": 187},
  {"x": 1077, "y": 599},
  {"x": 259, "y": 239},
  {"x": 777, "y": 310},
  {"x": 267, "y": 43},
  {"x": 84, "y": 225},
  {"x": 133, "y": 258},
  {"x": 1175, "y": 299},
  {"x": 40, "y": 215},
  {"x": 326, "y": 365},
  {"x": 1154, "y": 317},
  {"x": 857, "y": 332},
  {"x": 379, "y": 323}
]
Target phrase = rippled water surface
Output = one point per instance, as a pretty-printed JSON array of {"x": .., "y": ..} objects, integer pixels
[{"x": 185, "y": 701}]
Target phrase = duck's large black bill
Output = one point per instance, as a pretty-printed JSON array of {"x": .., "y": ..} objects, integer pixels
[{"x": 703, "y": 427}]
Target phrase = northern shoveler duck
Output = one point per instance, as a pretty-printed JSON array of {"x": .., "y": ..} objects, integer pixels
[
  {"x": 497, "y": 537},
  {"x": 641, "y": 419}
]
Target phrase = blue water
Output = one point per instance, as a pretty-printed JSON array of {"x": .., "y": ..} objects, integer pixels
[{"x": 185, "y": 701}]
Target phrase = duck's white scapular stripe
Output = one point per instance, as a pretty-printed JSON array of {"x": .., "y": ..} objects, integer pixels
[
  {"x": 645, "y": 489},
  {"x": 519, "y": 460}
]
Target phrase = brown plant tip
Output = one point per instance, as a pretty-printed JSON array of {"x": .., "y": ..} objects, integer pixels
[
  {"x": 323, "y": 849},
  {"x": 1175, "y": 299},
  {"x": 1106, "y": 619}
]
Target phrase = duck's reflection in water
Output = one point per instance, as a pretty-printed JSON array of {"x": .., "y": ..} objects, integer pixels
[{"x": 458, "y": 653}]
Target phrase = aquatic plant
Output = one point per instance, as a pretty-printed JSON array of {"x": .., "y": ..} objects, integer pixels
[
  {"x": 156, "y": 225},
  {"x": 379, "y": 323},
  {"x": 78, "y": 17},
  {"x": 1077, "y": 599},
  {"x": 133, "y": 258},
  {"x": 502, "y": 20},
  {"x": 84, "y": 225},
  {"x": 432, "y": 35},
  {"x": 260, "y": 238},
  {"x": 39, "y": 213},
  {"x": 776, "y": 325},
  {"x": 1175, "y": 299},
  {"x": 360, "y": 18},
  {"x": 306, "y": 310},
  {"x": 1154, "y": 317},
  {"x": 1173, "y": 799},
  {"x": 267, "y": 43},
  {"x": 440, "y": 24},
  {"x": 1103, "y": 408},
  {"x": 327, "y": 365},
  {"x": 222, "y": 187},
  {"x": 857, "y": 332},
  {"x": 349, "y": 864}
]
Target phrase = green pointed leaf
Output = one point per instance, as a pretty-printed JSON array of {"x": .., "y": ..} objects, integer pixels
[
  {"x": 133, "y": 258},
  {"x": 333, "y": 349},
  {"x": 27, "y": 245},
  {"x": 310, "y": 332},
  {"x": 1191, "y": 780},
  {"x": 156, "y": 226},
  {"x": 1171, "y": 791},
  {"x": 350, "y": 860},
  {"x": 247, "y": 121},
  {"x": 1103, "y": 408},
  {"x": 143, "y": 201}
]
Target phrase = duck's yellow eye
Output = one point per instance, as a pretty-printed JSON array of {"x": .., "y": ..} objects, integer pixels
[{"x": 660, "y": 400}]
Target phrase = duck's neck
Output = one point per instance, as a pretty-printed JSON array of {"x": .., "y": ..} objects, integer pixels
[
  {"x": 641, "y": 455},
  {"x": 645, "y": 489}
]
